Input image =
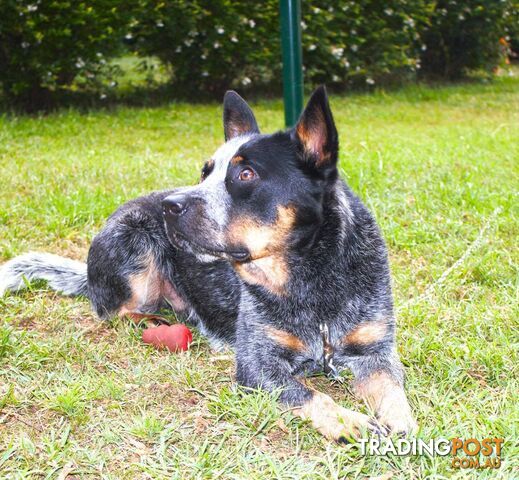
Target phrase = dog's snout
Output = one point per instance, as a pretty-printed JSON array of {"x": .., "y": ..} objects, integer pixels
[{"x": 175, "y": 204}]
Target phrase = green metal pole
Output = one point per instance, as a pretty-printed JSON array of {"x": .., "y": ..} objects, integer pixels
[{"x": 292, "y": 59}]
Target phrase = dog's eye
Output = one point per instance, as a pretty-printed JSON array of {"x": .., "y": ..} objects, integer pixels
[{"x": 247, "y": 174}]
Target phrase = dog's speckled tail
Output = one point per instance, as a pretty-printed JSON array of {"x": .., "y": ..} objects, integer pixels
[{"x": 62, "y": 274}]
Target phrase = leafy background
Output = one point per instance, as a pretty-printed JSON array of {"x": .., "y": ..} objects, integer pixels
[{"x": 203, "y": 47}]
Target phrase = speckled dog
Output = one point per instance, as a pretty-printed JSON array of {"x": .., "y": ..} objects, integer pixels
[{"x": 272, "y": 254}]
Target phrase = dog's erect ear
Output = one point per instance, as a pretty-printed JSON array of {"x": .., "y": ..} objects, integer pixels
[
  {"x": 316, "y": 133},
  {"x": 238, "y": 118}
]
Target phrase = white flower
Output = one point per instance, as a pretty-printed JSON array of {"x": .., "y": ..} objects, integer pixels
[
  {"x": 234, "y": 39},
  {"x": 160, "y": 23},
  {"x": 370, "y": 81},
  {"x": 252, "y": 23},
  {"x": 32, "y": 8},
  {"x": 354, "y": 32},
  {"x": 246, "y": 81},
  {"x": 220, "y": 30},
  {"x": 99, "y": 54},
  {"x": 217, "y": 45},
  {"x": 80, "y": 63},
  {"x": 25, "y": 44},
  {"x": 337, "y": 52},
  {"x": 346, "y": 63},
  {"x": 188, "y": 42},
  {"x": 317, "y": 10},
  {"x": 409, "y": 21},
  {"x": 336, "y": 78},
  {"x": 102, "y": 96},
  {"x": 461, "y": 16},
  {"x": 178, "y": 49},
  {"x": 312, "y": 47},
  {"x": 388, "y": 11},
  {"x": 205, "y": 74},
  {"x": 128, "y": 36},
  {"x": 304, "y": 26},
  {"x": 424, "y": 47},
  {"x": 354, "y": 47},
  {"x": 203, "y": 56}
]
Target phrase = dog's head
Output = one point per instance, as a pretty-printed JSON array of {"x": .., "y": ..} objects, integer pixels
[{"x": 259, "y": 195}]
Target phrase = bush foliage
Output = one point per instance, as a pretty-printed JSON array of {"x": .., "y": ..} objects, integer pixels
[
  {"x": 46, "y": 44},
  {"x": 211, "y": 45},
  {"x": 362, "y": 41},
  {"x": 464, "y": 35}
]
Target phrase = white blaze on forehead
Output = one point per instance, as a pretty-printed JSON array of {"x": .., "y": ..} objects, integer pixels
[
  {"x": 222, "y": 158},
  {"x": 212, "y": 190},
  {"x": 223, "y": 155}
]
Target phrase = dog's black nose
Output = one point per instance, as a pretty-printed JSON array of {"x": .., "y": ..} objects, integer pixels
[{"x": 175, "y": 204}]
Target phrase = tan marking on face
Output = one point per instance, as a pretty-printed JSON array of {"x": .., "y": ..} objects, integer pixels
[
  {"x": 386, "y": 397},
  {"x": 286, "y": 339},
  {"x": 366, "y": 333},
  {"x": 270, "y": 272},
  {"x": 262, "y": 239},
  {"x": 148, "y": 288},
  {"x": 267, "y": 247},
  {"x": 236, "y": 159},
  {"x": 332, "y": 420}
]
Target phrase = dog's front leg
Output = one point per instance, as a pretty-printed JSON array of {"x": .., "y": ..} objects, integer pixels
[
  {"x": 266, "y": 359},
  {"x": 379, "y": 382}
]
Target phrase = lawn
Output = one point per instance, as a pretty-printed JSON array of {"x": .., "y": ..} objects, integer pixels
[{"x": 79, "y": 397}]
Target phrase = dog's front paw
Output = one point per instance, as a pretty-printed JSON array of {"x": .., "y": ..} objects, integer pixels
[
  {"x": 335, "y": 422},
  {"x": 347, "y": 425},
  {"x": 399, "y": 421},
  {"x": 387, "y": 398}
]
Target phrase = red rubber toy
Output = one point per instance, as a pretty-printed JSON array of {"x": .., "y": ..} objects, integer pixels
[{"x": 176, "y": 338}]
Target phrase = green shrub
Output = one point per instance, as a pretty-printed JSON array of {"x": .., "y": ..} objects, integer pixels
[
  {"x": 463, "y": 36},
  {"x": 512, "y": 29},
  {"x": 211, "y": 45},
  {"x": 46, "y": 44},
  {"x": 366, "y": 41}
]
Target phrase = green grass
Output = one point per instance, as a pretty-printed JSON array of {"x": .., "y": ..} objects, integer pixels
[{"x": 437, "y": 166}]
